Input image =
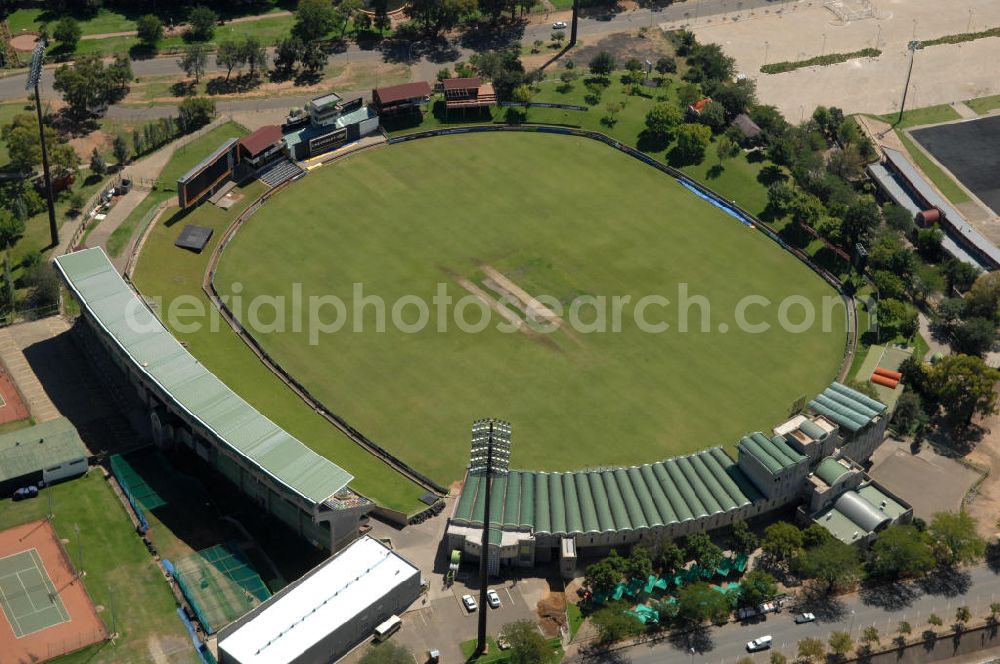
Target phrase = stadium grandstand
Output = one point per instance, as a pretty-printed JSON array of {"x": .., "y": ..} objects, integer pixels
[
  {"x": 190, "y": 406},
  {"x": 466, "y": 93},
  {"x": 536, "y": 516},
  {"x": 209, "y": 175},
  {"x": 900, "y": 182},
  {"x": 401, "y": 99}
]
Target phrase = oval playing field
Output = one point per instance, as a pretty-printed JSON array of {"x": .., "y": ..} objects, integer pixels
[{"x": 494, "y": 216}]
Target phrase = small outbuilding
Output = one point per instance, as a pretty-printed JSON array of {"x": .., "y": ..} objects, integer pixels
[
  {"x": 748, "y": 128},
  {"x": 327, "y": 612},
  {"x": 401, "y": 99},
  {"x": 42, "y": 454}
]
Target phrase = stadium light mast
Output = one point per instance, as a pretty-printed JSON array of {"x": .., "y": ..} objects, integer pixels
[
  {"x": 34, "y": 78},
  {"x": 913, "y": 47},
  {"x": 490, "y": 457},
  {"x": 576, "y": 16}
]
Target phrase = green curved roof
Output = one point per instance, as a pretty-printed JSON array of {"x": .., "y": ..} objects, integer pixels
[
  {"x": 774, "y": 453},
  {"x": 611, "y": 500},
  {"x": 830, "y": 470},
  {"x": 848, "y": 408}
]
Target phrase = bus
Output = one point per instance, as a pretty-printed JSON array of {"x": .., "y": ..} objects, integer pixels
[{"x": 386, "y": 629}]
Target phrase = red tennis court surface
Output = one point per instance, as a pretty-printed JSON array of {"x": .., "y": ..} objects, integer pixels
[
  {"x": 12, "y": 407},
  {"x": 46, "y": 610}
]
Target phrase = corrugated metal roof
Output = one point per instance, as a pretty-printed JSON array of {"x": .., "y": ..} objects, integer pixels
[
  {"x": 830, "y": 470},
  {"x": 774, "y": 453},
  {"x": 611, "y": 500},
  {"x": 848, "y": 408},
  {"x": 860, "y": 511},
  {"x": 156, "y": 353},
  {"x": 44, "y": 445}
]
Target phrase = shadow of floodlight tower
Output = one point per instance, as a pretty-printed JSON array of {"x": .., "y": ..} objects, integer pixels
[
  {"x": 34, "y": 78},
  {"x": 490, "y": 457}
]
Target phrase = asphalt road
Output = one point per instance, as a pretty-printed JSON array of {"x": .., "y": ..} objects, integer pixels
[
  {"x": 12, "y": 87},
  {"x": 975, "y": 587}
]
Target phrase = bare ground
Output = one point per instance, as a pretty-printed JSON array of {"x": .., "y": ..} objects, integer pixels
[{"x": 985, "y": 507}]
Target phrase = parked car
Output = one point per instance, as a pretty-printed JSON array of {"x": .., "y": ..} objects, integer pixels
[
  {"x": 762, "y": 643},
  {"x": 25, "y": 492},
  {"x": 559, "y": 25},
  {"x": 470, "y": 604},
  {"x": 805, "y": 618},
  {"x": 493, "y": 599}
]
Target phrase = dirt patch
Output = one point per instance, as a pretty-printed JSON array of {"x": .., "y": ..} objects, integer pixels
[
  {"x": 552, "y": 613},
  {"x": 624, "y": 46},
  {"x": 84, "y": 145},
  {"x": 986, "y": 504},
  {"x": 496, "y": 281},
  {"x": 24, "y": 41}
]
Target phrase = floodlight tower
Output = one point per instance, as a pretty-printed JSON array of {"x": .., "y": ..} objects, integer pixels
[
  {"x": 576, "y": 17},
  {"x": 34, "y": 78},
  {"x": 912, "y": 47},
  {"x": 490, "y": 457}
]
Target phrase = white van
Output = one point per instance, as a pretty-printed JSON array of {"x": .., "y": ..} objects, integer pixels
[
  {"x": 386, "y": 629},
  {"x": 762, "y": 643}
]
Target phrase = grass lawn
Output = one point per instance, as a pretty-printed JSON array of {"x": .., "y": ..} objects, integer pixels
[
  {"x": 119, "y": 571},
  {"x": 559, "y": 216},
  {"x": 984, "y": 105},
  {"x": 944, "y": 182},
  {"x": 168, "y": 272},
  {"x": 575, "y": 617},
  {"x": 494, "y": 654},
  {"x": 922, "y": 116},
  {"x": 7, "y": 113}
]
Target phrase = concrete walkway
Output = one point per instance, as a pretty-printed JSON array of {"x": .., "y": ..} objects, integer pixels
[
  {"x": 12, "y": 340},
  {"x": 964, "y": 110}
]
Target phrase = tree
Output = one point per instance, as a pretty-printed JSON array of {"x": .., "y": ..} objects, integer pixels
[
  {"x": 253, "y": 53},
  {"x": 929, "y": 243},
  {"x": 736, "y": 97},
  {"x": 194, "y": 61},
  {"x": 120, "y": 150},
  {"x": 84, "y": 85},
  {"x": 229, "y": 55},
  {"x": 743, "y": 539},
  {"x": 666, "y": 65},
  {"x": 67, "y": 32},
  {"x": 662, "y": 121},
  {"x": 841, "y": 643},
  {"x": 313, "y": 58},
  {"x": 782, "y": 541},
  {"x": 703, "y": 551},
  {"x": 870, "y": 635},
  {"x": 97, "y": 163},
  {"x": 523, "y": 94},
  {"x": 994, "y": 611},
  {"x": 904, "y": 628},
  {"x": 63, "y": 158},
  {"x": 614, "y": 624},
  {"x": 195, "y": 112},
  {"x": 726, "y": 148},
  {"x": 11, "y": 229},
  {"x": 527, "y": 645},
  {"x": 963, "y": 385},
  {"x": 150, "y": 29},
  {"x": 974, "y": 336},
  {"x": 984, "y": 296},
  {"x": 860, "y": 222},
  {"x": 959, "y": 275},
  {"x": 898, "y": 218},
  {"x": 387, "y": 652},
  {"x": 832, "y": 563},
  {"x": 692, "y": 139},
  {"x": 814, "y": 535},
  {"x": 811, "y": 650},
  {"x": 955, "y": 539},
  {"x": 934, "y": 620},
  {"x": 697, "y": 603},
  {"x": 313, "y": 19},
  {"x": 897, "y": 318},
  {"x": 345, "y": 12},
  {"x": 713, "y": 116},
  {"x": 909, "y": 413},
  {"x": 287, "y": 52},
  {"x": 437, "y": 15},
  {"x": 639, "y": 566},
  {"x": 602, "y": 577},
  {"x": 23, "y": 146},
  {"x": 778, "y": 658},
  {"x": 602, "y": 64},
  {"x": 962, "y": 616},
  {"x": 667, "y": 557},
  {"x": 758, "y": 587},
  {"x": 201, "y": 23}
]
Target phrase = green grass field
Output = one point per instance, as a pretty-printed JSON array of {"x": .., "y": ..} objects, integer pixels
[
  {"x": 559, "y": 216},
  {"x": 120, "y": 572}
]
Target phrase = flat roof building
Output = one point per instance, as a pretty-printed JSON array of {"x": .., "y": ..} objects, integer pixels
[
  {"x": 327, "y": 612},
  {"x": 43, "y": 453}
]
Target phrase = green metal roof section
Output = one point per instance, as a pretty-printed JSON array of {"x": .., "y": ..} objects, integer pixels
[
  {"x": 848, "y": 408},
  {"x": 114, "y": 306},
  {"x": 830, "y": 470},
  {"x": 813, "y": 430},
  {"x": 35, "y": 448},
  {"x": 611, "y": 500},
  {"x": 882, "y": 501},
  {"x": 775, "y": 453}
]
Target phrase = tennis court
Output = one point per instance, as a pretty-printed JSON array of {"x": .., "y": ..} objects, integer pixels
[
  {"x": 28, "y": 598},
  {"x": 220, "y": 585},
  {"x": 47, "y": 611}
]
